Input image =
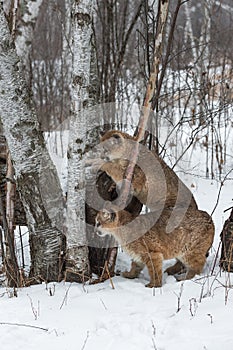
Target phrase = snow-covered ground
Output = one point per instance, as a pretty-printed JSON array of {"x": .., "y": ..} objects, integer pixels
[{"x": 191, "y": 315}]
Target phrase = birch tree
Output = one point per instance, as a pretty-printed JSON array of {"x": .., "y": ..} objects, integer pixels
[
  {"x": 22, "y": 28},
  {"x": 35, "y": 174},
  {"x": 77, "y": 264}
]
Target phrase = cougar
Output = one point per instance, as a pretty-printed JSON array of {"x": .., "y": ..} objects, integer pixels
[
  {"x": 189, "y": 243},
  {"x": 154, "y": 183}
]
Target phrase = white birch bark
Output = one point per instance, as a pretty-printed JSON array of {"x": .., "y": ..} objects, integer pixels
[
  {"x": 201, "y": 55},
  {"x": 77, "y": 250},
  {"x": 190, "y": 35},
  {"x": 35, "y": 173},
  {"x": 25, "y": 32},
  {"x": 205, "y": 35},
  {"x": 189, "y": 32}
]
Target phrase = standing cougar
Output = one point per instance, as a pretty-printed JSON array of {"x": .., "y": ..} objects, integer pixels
[
  {"x": 189, "y": 243},
  {"x": 154, "y": 183}
]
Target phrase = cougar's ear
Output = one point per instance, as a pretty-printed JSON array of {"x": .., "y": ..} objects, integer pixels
[
  {"x": 106, "y": 214},
  {"x": 109, "y": 214}
]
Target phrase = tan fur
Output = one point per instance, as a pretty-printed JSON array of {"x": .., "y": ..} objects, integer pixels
[
  {"x": 188, "y": 243},
  {"x": 154, "y": 182}
]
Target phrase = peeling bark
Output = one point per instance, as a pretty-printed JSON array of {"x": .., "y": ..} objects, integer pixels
[{"x": 35, "y": 173}]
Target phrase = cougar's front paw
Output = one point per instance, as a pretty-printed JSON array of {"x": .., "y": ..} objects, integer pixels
[
  {"x": 153, "y": 285},
  {"x": 129, "y": 274}
]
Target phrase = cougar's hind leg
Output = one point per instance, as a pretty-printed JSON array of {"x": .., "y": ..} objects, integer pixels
[
  {"x": 135, "y": 270},
  {"x": 194, "y": 265},
  {"x": 178, "y": 268}
]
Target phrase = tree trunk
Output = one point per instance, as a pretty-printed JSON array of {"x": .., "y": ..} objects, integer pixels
[
  {"x": 36, "y": 176},
  {"x": 226, "y": 260},
  {"x": 10, "y": 261},
  {"x": 102, "y": 252},
  {"x": 99, "y": 251},
  {"x": 19, "y": 213},
  {"x": 77, "y": 263},
  {"x": 22, "y": 21}
]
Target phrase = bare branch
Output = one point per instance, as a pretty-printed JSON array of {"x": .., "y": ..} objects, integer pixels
[
  {"x": 147, "y": 105},
  {"x": 23, "y": 325},
  {"x": 220, "y": 190}
]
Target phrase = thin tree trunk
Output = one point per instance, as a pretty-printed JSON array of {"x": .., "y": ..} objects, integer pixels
[
  {"x": 10, "y": 195},
  {"x": 77, "y": 264},
  {"x": 147, "y": 105},
  {"x": 10, "y": 261},
  {"x": 19, "y": 214},
  {"x": 99, "y": 252},
  {"x": 2, "y": 245},
  {"x": 11, "y": 265},
  {"x": 35, "y": 173}
]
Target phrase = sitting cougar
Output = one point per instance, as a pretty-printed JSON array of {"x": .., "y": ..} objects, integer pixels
[{"x": 189, "y": 243}]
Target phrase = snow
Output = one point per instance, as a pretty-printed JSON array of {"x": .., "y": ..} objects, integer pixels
[{"x": 191, "y": 315}]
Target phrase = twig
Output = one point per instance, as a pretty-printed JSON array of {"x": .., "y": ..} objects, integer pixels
[
  {"x": 215, "y": 259},
  {"x": 34, "y": 311},
  {"x": 65, "y": 297},
  {"x": 154, "y": 345},
  {"x": 193, "y": 306},
  {"x": 154, "y": 328},
  {"x": 52, "y": 291},
  {"x": 227, "y": 209},
  {"x": 109, "y": 275},
  {"x": 103, "y": 304},
  {"x": 21, "y": 247},
  {"x": 227, "y": 288},
  {"x": 85, "y": 341},
  {"x": 23, "y": 325},
  {"x": 154, "y": 334},
  {"x": 211, "y": 318},
  {"x": 179, "y": 297},
  {"x": 220, "y": 189}
]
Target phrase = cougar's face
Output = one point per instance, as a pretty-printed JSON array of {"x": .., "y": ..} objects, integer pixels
[
  {"x": 104, "y": 223},
  {"x": 115, "y": 145}
]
